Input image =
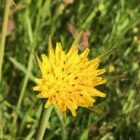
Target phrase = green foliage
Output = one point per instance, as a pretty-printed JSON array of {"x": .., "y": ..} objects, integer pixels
[{"x": 113, "y": 25}]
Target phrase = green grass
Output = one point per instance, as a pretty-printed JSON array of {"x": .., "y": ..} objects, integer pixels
[{"x": 112, "y": 24}]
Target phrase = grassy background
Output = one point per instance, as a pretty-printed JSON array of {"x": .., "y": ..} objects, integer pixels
[{"x": 106, "y": 24}]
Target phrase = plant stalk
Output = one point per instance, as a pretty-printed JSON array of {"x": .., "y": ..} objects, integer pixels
[
  {"x": 3, "y": 36},
  {"x": 25, "y": 82},
  {"x": 43, "y": 122}
]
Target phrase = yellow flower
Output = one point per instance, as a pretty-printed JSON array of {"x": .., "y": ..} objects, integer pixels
[{"x": 69, "y": 79}]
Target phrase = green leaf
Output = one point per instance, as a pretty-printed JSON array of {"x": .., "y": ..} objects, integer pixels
[
  {"x": 85, "y": 134},
  {"x": 97, "y": 110},
  {"x": 77, "y": 39},
  {"x": 107, "y": 53},
  {"x": 21, "y": 67},
  {"x": 37, "y": 59}
]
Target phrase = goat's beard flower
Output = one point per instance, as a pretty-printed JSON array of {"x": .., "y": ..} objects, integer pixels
[{"x": 69, "y": 80}]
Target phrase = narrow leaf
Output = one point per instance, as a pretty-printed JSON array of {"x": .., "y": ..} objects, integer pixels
[
  {"x": 107, "y": 53},
  {"x": 77, "y": 39},
  {"x": 37, "y": 59},
  {"x": 97, "y": 110},
  {"x": 50, "y": 42},
  {"x": 21, "y": 67}
]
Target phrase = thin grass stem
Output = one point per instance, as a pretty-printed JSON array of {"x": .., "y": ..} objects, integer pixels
[
  {"x": 3, "y": 36},
  {"x": 22, "y": 93},
  {"x": 45, "y": 115}
]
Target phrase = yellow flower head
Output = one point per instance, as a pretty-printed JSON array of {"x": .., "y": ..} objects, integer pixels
[{"x": 69, "y": 80}]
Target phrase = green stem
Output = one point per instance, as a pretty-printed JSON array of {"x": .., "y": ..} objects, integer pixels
[
  {"x": 25, "y": 82},
  {"x": 3, "y": 36},
  {"x": 43, "y": 122},
  {"x": 1, "y": 122},
  {"x": 62, "y": 123}
]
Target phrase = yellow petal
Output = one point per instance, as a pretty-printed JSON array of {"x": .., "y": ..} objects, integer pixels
[
  {"x": 38, "y": 81},
  {"x": 51, "y": 55},
  {"x": 47, "y": 104},
  {"x": 98, "y": 81},
  {"x": 73, "y": 51},
  {"x": 101, "y": 71},
  {"x": 36, "y": 88},
  {"x": 95, "y": 92},
  {"x": 71, "y": 106},
  {"x": 58, "y": 50},
  {"x": 85, "y": 53}
]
